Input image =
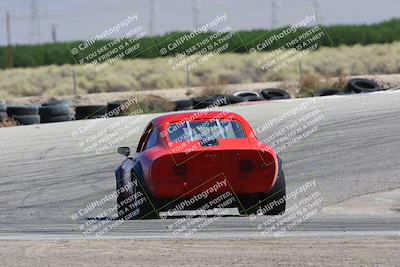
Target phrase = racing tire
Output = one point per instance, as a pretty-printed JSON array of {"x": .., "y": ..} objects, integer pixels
[
  {"x": 53, "y": 111},
  {"x": 360, "y": 85},
  {"x": 124, "y": 198},
  {"x": 3, "y": 107},
  {"x": 274, "y": 94},
  {"x": 58, "y": 102},
  {"x": 249, "y": 205},
  {"x": 235, "y": 99},
  {"x": 328, "y": 91},
  {"x": 3, "y": 116},
  {"x": 253, "y": 98},
  {"x": 22, "y": 110},
  {"x": 127, "y": 209},
  {"x": 27, "y": 119},
  {"x": 246, "y": 93},
  {"x": 146, "y": 211},
  {"x": 207, "y": 102},
  {"x": 184, "y": 104},
  {"x": 114, "y": 106},
  {"x": 276, "y": 195},
  {"x": 61, "y": 118},
  {"x": 261, "y": 205},
  {"x": 90, "y": 112}
]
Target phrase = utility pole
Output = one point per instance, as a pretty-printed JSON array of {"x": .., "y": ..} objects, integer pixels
[
  {"x": 152, "y": 17},
  {"x": 274, "y": 15},
  {"x": 35, "y": 22},
  {"x": 317, "y": 11},
  {"x": 54, "y": 33},
  {"x": 196, "y": 11},
  {"x": 9, "y": 47}
]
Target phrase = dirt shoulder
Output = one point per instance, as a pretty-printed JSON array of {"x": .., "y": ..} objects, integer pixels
[
  {"x": 375, "y": 204},
  {"x": 298, "y": 251}
]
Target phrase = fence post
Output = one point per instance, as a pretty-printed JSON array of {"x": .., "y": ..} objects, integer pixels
[
  {"x": 74, "y": 81},
  {"x": 188, "y": 81},
  {"x": 301, "y": 70}
]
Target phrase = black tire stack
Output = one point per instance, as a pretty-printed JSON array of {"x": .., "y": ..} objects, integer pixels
[
  {"x": 248, "y": 96},
  {"x": 90, "y": 112},
  {"x": 328, "y": 92},
  {"x": 184, "y": 104},
  {"x": 56, "y": 111},
  {"x": 274, "y": 94},
  {"x": 3, "y": 112},
  {"x": 113, "y": 108},
  {"x": 25, "y": 115},
  {"x": 359, "y": 85},
  {"x": 207, "y": 102}
]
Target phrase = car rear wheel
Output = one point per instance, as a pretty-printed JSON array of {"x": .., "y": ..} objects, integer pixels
[
  {"x": 272, "y": 202},
  {"x": 134, "y": 203},
  {"x": 144, "y": 208}
]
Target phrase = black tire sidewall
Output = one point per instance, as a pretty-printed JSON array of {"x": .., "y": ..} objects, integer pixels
[
  {"x": 22, "y": 110},
  {"x": 268, "y": 94},
  {"x": 27, "y": 119}
]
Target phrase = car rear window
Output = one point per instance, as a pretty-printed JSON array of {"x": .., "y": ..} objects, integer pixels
[{"x": 204, "y": 130}]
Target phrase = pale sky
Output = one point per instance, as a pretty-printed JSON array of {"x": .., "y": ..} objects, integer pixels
[{"x": 77, "y": 19}]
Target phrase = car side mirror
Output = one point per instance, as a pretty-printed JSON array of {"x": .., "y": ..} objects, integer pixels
[{"x": 124, "y": 151}]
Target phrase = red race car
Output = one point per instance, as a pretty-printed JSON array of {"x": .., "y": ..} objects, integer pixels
[{"x": 188, "y": 160}]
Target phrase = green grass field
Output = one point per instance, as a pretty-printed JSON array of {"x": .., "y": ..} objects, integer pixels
[{"x": 59, "y": 53}]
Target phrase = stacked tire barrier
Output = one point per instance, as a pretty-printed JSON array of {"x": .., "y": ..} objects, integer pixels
[
  {"x": 238, "y": 97},
  {"x": 357, "y": 86},
  {"x": 213, "y": 101},
  {"x": 248, "y": 96},
  {"x": 62, "y": 110},
  {"x": 56, "y": 111},
  {"x": 25, "y": 115},
  {"x": 354, "y": 86},
  {"x": 90, "y": 112},
  {"x": 184, "y": 104},
  {"x": 274, "y": 94},
  {"x": 328, "y": 91},
  {"x": 3, "y": 112},
  {"x": 113, "y": 108}
]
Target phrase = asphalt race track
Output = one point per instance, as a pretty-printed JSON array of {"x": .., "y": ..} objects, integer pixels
[{"x": 353, "y": 150}]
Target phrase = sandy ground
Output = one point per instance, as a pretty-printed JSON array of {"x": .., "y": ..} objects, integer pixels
[
  {"x": 386, "y": 81},
  {"x": 297, "y": 251},
  {"x": 376, "y": 204}
]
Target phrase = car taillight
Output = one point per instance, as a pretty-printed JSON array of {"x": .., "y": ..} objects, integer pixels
[
  {"x": 180, "y": 170},
  {"x": 246, "y": 166}
]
